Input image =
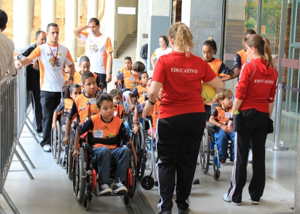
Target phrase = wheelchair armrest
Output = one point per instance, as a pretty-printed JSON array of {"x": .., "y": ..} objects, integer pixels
[{"x": 210, "y": 125}]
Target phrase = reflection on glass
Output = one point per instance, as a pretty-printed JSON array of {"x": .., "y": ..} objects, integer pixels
[
  {"x": 270, "y": 21},
  {"x": 298, "y": 23}
]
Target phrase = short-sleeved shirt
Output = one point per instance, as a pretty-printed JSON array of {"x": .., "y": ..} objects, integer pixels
[
  {"x": 96, "y": 49},
  {"x": 6, "y": 55},
  {"x": 51, "y": 72},
  {"x": 181, "y": 78},
  {"x": 160, "y": 52}
]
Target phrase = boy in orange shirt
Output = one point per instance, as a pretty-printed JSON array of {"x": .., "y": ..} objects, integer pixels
[
  {"x": 105, "y": 134},
  {"x": 220, "y": 117},
  {"x": 84, "y": 105},
  {"x": 127, "y": 67}
]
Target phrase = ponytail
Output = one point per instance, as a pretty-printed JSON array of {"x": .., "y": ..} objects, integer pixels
[
  {"x": 268, "y": 53},
  {"x": 263, "y": 47},
  {"x": 182, "y": 37}
]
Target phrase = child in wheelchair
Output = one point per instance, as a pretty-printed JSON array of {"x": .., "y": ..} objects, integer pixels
[
  {"x": 105, "y": 132},
  {"x": 127, "y": 67},
  {"x": 220, "y": 118},
  {"x": 131, "y": 81},
  {"x": 119, "y": 109},
  {"x": 64, "y": 107},
  {"x": 84, "y": 105}
]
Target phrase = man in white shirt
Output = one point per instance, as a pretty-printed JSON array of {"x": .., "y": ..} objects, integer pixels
[
  {"x": 98, "y": 49},
  {"x": 52, "y": 57},
  {"x": 6, "y": 49}
]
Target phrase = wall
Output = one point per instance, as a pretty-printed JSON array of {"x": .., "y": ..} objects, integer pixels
[
  {"x": 143, "y": 26},
  {"x": 124, "y": 24}
]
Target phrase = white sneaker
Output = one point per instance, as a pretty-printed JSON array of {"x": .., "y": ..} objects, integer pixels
[
  {"x": 120, "y": 189},
  {"x": 47, "y": 148},
  {"x": 104, "y": 190},
  {"x": 253, "y": 202},
  {"x": 250, "y": 156}
]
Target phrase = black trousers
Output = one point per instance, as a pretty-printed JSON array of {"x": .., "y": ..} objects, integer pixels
[
  {"x": 49, "y": 102},
  {"x": 36, "y": 102},
  {"x": 101, "y": 79},
  {"x": 255, "y": 130},
  {"x": 178, "y": 146}
]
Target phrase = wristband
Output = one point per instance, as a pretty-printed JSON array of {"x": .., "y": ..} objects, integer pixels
[
  {"x": 110, "y": 72},
  {"x": 151, "y": 102},
  {"x": 230, "y": 118},
  {"x": 136, "y": 121}
]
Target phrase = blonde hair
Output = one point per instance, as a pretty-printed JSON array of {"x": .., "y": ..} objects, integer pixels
[
  {"x": 182, "y": 37},
  {"x": 263, "y": 47},
  {"x": 222, "y": 95}
]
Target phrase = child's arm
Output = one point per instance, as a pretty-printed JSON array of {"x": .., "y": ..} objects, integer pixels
[
  {"x": 134, "y": 93},
  {"x": 70, "y": 117},
  {"x": 237, "y": 64},
  {"x": 54, "y": 120},
  {"x": 133, "y": 152},
  {"x": 226, "y": 73},
  {"x": 84, "y": 127},
  {"x": 135, "y": 121}
]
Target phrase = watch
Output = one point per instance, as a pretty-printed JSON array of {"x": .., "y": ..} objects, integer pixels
[
  {"x": 110, "y": 72},
  {"x": 151, "y": 102}
]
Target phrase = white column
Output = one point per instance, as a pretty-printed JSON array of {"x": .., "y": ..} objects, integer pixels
[
  {"x": 92, "y": 9},
  {"x": 22, "y": 24},
  {"x": 70, "y": 24},
  {"x": 48, "y": 13},
  {"x": 0, "y": 3}
]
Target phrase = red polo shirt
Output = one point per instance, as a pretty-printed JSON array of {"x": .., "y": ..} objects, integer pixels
[{"x": 181, "y": 78}]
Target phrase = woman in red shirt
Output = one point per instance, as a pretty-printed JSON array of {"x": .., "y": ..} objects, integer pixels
[
  {"x": 181, "y": 116},
  {"x": 254, "y": 99}
]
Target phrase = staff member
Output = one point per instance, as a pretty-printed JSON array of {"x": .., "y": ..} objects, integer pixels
[
  {"x": 181, "y": 116},
  {"x": 52, "y": 57},
  {"x": 98, "y": 49},
  {"x": 33, "y": 78},
  {"x": 254, "y": 99}
]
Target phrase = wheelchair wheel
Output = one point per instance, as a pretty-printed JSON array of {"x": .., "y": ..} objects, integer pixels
[
  {"x": 54, "y": 139},
  {"x": 217, "y": 174},
  {"x": 70, "y": 160},
  {"x": 58, "y": 141},
  {"x": 140, "y": 152},
  {"x": 86, "y": 204},
  {"x": 127, "y": 200},
  {"x": 205, "y": 152},
  {"x": 79, "y": 178},
  {"x": 147, "y": 182}
]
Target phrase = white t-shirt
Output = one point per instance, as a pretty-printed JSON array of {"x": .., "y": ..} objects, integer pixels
[
  {"x": 52, "y": 76},
  {"x": 160, "y": 52},
  {"x": 6, "y": 55},
  {"x": 96, "y": 49}
]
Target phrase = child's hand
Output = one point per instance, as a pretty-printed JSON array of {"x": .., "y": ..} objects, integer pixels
[
  {"x": 135, "y": 128},
  {"x": 224, "y": 127},
  {"x": 230, "y": 126},
  {"x": 75, "y": 153},
  {"x": 53, "y": 125},
  {"x": 66, "y": 140}
]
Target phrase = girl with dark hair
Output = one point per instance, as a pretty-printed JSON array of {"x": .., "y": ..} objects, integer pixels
[
  {"x": 181, "y": 116},
  {"x": 253, "y": 104}
]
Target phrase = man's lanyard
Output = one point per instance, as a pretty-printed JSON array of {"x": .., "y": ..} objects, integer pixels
[{"x": 55, "y": 57}]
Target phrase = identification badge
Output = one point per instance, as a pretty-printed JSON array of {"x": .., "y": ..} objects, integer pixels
[
  {"x": 132, "y": 79},
  {"x": 227, "y": 114},
  {"x": 92, "y": 100},
  {"x": 98, "y": 133}
]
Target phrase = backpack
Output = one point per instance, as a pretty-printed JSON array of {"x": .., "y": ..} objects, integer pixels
[{"x": 144, "y": 51}]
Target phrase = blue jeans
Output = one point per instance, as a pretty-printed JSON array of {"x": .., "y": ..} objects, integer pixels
[
  {"x": 103, "y": 156},
  {"x": 221, "y": 139}
]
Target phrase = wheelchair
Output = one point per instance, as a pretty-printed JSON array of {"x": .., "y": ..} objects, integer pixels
[
  {"x": 147, "y": 149},
  {"x": 85, "y": 178},
  {"x": 209, "y": 149}
]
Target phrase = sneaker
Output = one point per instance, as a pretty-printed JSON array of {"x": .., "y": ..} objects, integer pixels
[
  {"x": 227, "y": 199},
  {"x": 120, "y": 189},
  {"x": 47, "y": 148},
  {"x": 250, "y": 156},
  {"x": 253, "y": 202},
  {"x": 104, "y": 190},
  {"x": 223, "y": 161}
]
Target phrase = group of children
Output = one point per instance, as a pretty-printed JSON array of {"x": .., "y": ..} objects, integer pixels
[{"x": 100, "y": 114}]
